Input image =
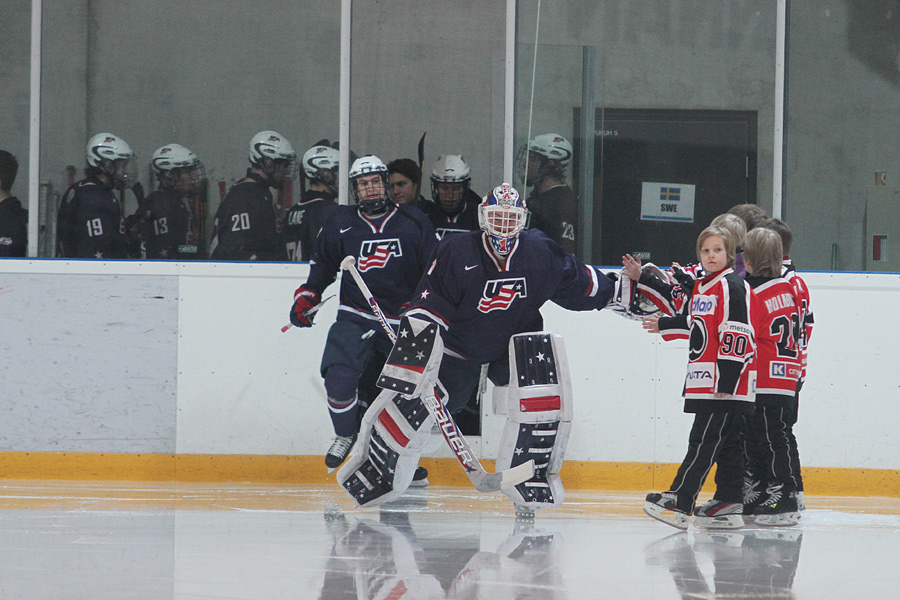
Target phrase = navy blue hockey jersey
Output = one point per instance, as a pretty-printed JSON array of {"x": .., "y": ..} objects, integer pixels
[
  {"x": 391, "y": 254},
  {"x": 465, "y": 220},
  {"x": 244, "y": 227},
  {"x": 303, "y": 222},
  {"x": 480, "y": 304},
  {"x": 90, "y": 223}
]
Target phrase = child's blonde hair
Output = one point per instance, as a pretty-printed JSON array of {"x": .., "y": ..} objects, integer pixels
[
  {"x": 726, "y": 237},
  {"x": 734, "y": 225},
  {"x": 763, "y": 253}
]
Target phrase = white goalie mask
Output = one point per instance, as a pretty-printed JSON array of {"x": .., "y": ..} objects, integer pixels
[{"x": 502, "y": 215}]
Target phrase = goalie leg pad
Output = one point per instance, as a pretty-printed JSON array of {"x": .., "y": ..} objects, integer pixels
[
  {"x": 391, "y": 439},
  {"x": 539, "y": 417}
]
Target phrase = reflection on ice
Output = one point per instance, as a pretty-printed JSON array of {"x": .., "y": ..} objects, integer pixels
[
  {"x": 384, "y": 554},
  {"x": 746, "y": 563}
]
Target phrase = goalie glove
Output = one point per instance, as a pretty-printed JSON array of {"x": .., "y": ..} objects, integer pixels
[
  {"x": 305, "y": 299},
  {"x": 627, "y": 301}
]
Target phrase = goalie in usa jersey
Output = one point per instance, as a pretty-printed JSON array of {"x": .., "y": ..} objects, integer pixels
[
  {"x": 484, "y": 287},
  {"x": 391, "y": 244}
]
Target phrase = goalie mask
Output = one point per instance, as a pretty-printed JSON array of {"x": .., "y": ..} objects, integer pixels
[
  {"x": 502, "y": 216},
  {"x": 178, "y": 169},
  {"x": 113, "y": 157},
  {"x": 321, "y": 163},
  {"x": 543, "y": 155},
  {"x": 450, "y": 178},
  {"x": 370, "y": 186},
  {"x": 271, "y": 153}
]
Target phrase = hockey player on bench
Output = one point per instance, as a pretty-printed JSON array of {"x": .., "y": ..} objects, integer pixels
[{"x": 482, "y": 289}]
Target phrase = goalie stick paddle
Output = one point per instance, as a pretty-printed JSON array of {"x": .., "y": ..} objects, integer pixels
[{"x": 481, "y": 479}]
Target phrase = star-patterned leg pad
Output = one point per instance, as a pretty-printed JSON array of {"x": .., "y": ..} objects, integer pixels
[
  {"x": 539, "y": 417},
  {"x": 391, "y": 439}
]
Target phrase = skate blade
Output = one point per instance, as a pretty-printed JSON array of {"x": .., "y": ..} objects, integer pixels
[
  {"x": 722, "y": 522},
  {"x": 674, "y": 519},
  {"x": 782, "y": 520}
]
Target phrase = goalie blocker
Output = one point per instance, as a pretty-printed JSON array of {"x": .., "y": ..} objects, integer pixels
[{"x": 538, "y": 406}]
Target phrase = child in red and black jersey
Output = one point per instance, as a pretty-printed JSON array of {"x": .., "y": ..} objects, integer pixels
[
  {"x": 777, "y": 322},
  {"x": 718, "y": 386}
]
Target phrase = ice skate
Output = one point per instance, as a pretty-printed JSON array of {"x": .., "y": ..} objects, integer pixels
[
  {"x": 420, "y": 478},
  {"x": 777, "y": 509},
  {"x": 718, "y": 514},
  {"x": 338, "y": 451},
  {"x": 663, "y": 507}
]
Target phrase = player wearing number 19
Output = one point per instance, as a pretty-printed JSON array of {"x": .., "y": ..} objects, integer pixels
[
  {"x": 90, "y": 221},
  {"x": 244, "y": 227},
  {"x": 391, "y": 244}
]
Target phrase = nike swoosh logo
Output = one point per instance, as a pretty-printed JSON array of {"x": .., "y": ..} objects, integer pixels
[
  {"x": 469, "y": 268},
  {"x": 346, "y": 230}
]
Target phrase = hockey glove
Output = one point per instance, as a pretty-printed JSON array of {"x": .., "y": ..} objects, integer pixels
[{"x": 305, "y": 299}]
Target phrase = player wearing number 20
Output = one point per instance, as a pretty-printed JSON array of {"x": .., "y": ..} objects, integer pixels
[{"x": 244, "y": 228}]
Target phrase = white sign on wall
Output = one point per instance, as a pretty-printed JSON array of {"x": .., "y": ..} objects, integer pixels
[{"x": 667, "y": 202}]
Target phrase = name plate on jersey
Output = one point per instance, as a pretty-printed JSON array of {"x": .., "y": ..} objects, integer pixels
[{"x": 667, "y": 202}]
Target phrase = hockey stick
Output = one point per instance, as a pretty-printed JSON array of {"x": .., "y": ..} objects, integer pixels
[{"x": 481, "y": 479}]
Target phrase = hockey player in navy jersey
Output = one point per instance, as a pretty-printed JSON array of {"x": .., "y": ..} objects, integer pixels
[
  {"x": 542, "y": 163},
  {"x": 244, "y": 228},
  {"x": 482, "y": 292},
  {"x": 305, "y": 218},
  {"x": 391, "y": 244},
  {"x": 163, "y": 221},
  {"x": 452, "y": 208},
  {"x": 483, "y": 287},
  {"x": 90, "y": 222}
]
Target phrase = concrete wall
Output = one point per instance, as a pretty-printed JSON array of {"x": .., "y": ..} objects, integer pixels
[
  {"x": 189, "y": 359},
  {"x": 211, "y": 73}
]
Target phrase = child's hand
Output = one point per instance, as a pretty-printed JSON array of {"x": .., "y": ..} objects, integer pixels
[
  {"x": 632, "y": 267},
  {"x": 651, "y": 323}
]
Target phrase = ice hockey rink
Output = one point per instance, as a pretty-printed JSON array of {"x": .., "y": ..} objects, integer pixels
[{"x": 98, "y": 540}]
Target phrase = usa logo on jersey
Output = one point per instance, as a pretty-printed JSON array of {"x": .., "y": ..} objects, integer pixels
[
  {"x": 499, "y": 293},
  {"x": 374, "y": 254}
]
